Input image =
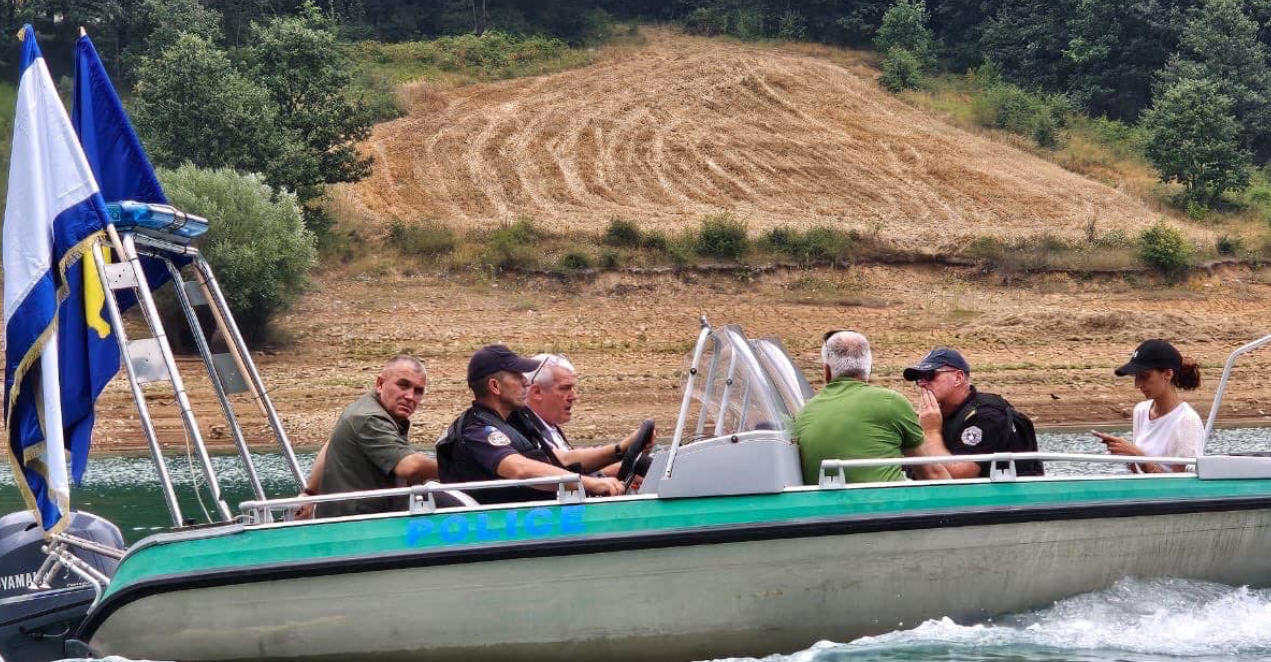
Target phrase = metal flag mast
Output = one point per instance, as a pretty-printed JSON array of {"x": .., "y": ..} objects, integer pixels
[{"x": 162, "y": 233}]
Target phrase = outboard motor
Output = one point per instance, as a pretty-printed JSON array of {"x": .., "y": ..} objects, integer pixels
[{"x": 34, "y": 624}]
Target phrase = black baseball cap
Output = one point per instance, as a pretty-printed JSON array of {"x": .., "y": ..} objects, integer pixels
[
  {"x": 934, "y": 360},
  {"x": 1154, "y": 353},
  {"x": 493, "y": 358}
]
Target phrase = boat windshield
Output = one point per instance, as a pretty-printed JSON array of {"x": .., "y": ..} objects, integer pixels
[
  {"x": 788, "y": 380},
  {"x": 734, "y": 392}
]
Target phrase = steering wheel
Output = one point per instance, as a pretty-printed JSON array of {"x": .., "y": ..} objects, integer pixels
[{"x": 627, "y": 470}]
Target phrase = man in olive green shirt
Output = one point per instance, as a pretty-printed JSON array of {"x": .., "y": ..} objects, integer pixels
[
  {"x": 368, "y": 449},
  {"x": 852, "y": 420}
]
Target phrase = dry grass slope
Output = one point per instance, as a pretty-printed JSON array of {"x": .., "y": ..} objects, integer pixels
[{"x": 684, "y": 127}]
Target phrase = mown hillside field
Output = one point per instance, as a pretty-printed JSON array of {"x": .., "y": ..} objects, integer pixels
[{"x": 1048, "y": 339}]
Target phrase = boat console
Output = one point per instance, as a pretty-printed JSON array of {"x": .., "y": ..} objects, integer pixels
[{"x": 734, "y": 432}]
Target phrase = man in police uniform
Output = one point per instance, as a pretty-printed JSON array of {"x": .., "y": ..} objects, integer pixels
[
  {"x": 972, "y": 422},
  {"x": 495, "y": 438}
]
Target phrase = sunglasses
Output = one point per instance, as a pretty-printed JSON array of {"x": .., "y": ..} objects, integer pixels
[
  {"x": 549, "y": 360},
  {"x": 930, "y": 376},
  {"x": 831, "y": 332}
]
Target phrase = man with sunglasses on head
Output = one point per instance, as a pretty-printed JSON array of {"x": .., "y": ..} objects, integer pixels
[
  {"x": 851, "y": 419},
  {"x": 496, "y": 438},
  {"x": 553, "y": 390},
  {"x": 969, "y": 421}
]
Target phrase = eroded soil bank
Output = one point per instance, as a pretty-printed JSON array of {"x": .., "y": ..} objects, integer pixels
[{"x": 1048, "y": 343}]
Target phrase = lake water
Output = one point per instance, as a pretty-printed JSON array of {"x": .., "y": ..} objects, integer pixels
[{"x": 1133, "y": 621}]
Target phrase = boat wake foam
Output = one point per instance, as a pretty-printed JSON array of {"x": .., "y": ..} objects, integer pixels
[{"x": 1132, "y": 621}]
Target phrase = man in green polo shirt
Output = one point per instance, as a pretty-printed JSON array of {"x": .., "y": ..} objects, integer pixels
[
  {"x": 368, "y": 449},
  {"x": 852, "y": 420}
]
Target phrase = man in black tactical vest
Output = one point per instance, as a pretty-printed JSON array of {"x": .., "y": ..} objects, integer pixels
[
  {"x": 495, "y": 438},
  {"x": 972, "y": 422}
]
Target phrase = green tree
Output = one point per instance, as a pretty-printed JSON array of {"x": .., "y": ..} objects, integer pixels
[
  {"x": 905, "y": 26},
  {"x": 860, "y": 24},
  {"x": 1195, "y": 140},
  {"x": 157, "y": 25},
  {"x": 308, "y": 76},
  {"x": 257, "y": 242},
  {"x": 1115, "y": 48},
  {"x": 1220, "y": 44},
  {"x": 1027, "y": 38},
  {"x": 192, "y": 105}
]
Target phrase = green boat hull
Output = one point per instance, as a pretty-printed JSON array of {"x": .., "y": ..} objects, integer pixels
[{"x": 659, "y": 579}]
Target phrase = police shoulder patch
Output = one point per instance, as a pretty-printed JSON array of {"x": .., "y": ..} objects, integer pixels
[
  {"x": 972, "y": 436},
  {"x": 497, "y": 438}
]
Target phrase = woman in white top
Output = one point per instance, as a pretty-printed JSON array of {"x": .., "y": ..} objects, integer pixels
[{"x": 1164, "y": 425}]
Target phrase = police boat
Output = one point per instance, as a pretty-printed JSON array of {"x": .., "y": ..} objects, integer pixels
[{"x": 722, "y": 551}]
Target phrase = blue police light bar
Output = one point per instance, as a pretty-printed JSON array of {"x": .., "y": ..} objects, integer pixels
[{"x": 162, "y": 221}]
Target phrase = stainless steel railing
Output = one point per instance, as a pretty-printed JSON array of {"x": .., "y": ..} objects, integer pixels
[
  {"x": 1222, "y": 386},
  {"x": 422, "y": 498},
  {"x": 833, "y": 472}
]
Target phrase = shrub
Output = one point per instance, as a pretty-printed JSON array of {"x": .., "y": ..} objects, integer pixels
[
  {"x": 574, "y": 261},
  {"x": 622, "y": 233},
  {"x": 428, "y": 239},
  {"x": 782, "y": 239},
  {"x": 1197, "y": 211},
  {"x": 990, "y": 249},
  {"x": 825, "y": 243},
  {"x": 512, "y": 246},
  {"x": 1018, "y": 111},
  {"x": 723, "y": 237},
  {"x": 257, "y": 242},
  {"x": 378, "y": 96},
  {"x": 902, "y": 70},
  {"x": 1228, "y": 245},
  {"x": 1113, "y": 239},
  {"x": 987, "y": 75},
  {"x": 1045, "y": 133},
  {"x": 610, "y": 259},
  {"x": 1164, "y": 248},
  {"x": 655, "y": 240},
  {"x": 682, "y": 247}
]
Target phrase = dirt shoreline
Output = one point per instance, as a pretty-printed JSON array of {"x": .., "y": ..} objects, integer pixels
[{"x": 1049, "y": 343}]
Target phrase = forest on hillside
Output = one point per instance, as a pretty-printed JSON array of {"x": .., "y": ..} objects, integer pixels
[{"x": 1194, "y": 72}]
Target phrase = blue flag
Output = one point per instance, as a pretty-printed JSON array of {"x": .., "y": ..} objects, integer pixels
[
  {"x": 123, "y": 172},
  {"x": 110, "y": 143},
  {"x": 52, "y": 215}
]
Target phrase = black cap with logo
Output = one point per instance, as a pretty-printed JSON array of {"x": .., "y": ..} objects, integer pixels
[
  {"x": 1154, "y": 353},
  {"x": 937, "y": 358},
  {"x": 494, "y": 358}
]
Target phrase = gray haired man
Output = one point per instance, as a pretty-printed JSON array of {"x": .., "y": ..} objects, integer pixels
[
  {"x": 553, "y": 390},
  {"x": 853, "y": 420}
]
